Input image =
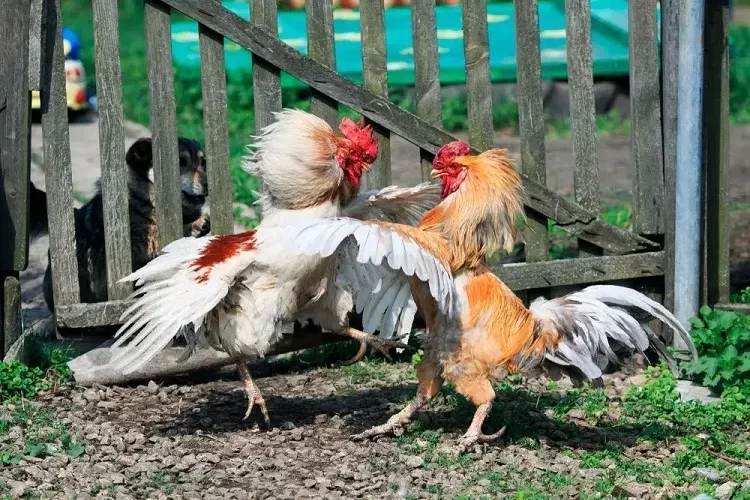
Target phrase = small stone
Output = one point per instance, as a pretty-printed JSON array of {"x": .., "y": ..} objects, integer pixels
[
  {"x": 184, "y": 389},
  {"x": 209, "y": 457},
  {"x": 206, "y": 421},
  {"x": 577, "y": 414},
  {"x": 414, "y": 461},
  {"x": 117, "y": 478},
  {"x": 287, "y": 426},
  {"x": 742, "y": 469},
  {"x": 711, "y": 474},
  {"x": 725, "y": 491},
  {"x": 17, "y": 488},
  {"x": 321, "y": 419},
  {"x": 309, "y": 483},
  {"x": 746, "y": 484},
  {"x": 107, "y": 405},
  {"x": 163, "y": 397},
  {"x": 152, "y": 387},
  {"x": 91, "y": 396}
]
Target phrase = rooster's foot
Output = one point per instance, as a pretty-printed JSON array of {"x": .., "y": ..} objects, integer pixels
[
  {"x": 393, "y": 426},
  {"x": 357, "y": 357},
  {"x": 474, "y": 436},
  {"x": 253, "y": 394},
  {"x": 378, "y": 344}
]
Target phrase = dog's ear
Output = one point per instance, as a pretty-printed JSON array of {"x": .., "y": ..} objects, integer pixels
[{"x": 140, "y": 155}]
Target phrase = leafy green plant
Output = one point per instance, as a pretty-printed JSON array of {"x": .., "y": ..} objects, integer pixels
[
  {"x": 743, "y": 297},
  {"x": 20, "y": 381},
  {"x": 722, "y": 339}
]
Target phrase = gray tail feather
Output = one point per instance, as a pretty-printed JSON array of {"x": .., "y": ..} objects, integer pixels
[{"x": 602, "y": 324}]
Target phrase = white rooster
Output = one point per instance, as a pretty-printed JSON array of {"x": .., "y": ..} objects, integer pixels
[{"x": 237, "y": 290}]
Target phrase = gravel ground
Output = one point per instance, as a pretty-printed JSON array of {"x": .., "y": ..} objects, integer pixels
[{"x": 189, "y": 441}]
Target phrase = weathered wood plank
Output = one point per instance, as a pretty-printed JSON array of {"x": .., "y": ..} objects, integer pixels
[
  {"x": 581, "y": 270},
  {"x": 213, "y": 78},
  {"x": 477, "y": 60},
  {"x": 10, "y": 320},
  {"x": 645, "y": 105},
  {"x": 669, "y": 64},
  {"x": 582, "y": 109},
  {"x": 574, "y": 219},
  {"x": 112, "y": 148},
  {"x": 375, "y": 79},
  {"x": 14, "y": 135},
  {"x": 531, "y": 119},
  {"x": 266, "y": 76},
  {"x": 58, "y": 175},
  {"x": 727, "y": 306},
  {"x": 426, "y": 72},
  {"x": 321, "y": 48},
  {"x": 165, "y": 364},
  {"x": 35, "y": 44},
  {"x": 163, "y": 121},
  {"x": 716, "y": 133}
]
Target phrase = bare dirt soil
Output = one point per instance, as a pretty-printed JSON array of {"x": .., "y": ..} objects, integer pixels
[{"x": 188, "y": 440}]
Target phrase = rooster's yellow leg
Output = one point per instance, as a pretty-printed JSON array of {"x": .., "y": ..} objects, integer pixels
[
  {"x": 378, "y": 344},
  {"x": 253, "y": 393},
  {"x": 357, "y": 357},
  {"x": 474, "y": 433},
  {"x": 429, "y": 386}
]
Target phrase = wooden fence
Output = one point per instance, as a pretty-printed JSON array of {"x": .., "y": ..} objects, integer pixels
[{"x": 608, "y": 253}]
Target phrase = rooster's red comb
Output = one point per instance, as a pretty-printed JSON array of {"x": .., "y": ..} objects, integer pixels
[
  {"x": 361, "y": 137},
  {"x": 449, "y": 152}
]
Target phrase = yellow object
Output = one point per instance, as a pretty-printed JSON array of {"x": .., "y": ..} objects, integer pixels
[{"x": 75, "y": 87}]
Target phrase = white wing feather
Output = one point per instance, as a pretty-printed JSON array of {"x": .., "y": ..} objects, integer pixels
[
  {"x": 380, "y": 295},
  {"x": 172, "y": 298}
]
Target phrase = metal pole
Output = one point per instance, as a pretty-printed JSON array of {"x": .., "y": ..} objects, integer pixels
[{"x": 688, "y": 198}]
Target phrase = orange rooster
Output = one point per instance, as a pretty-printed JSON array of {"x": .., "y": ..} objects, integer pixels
[{"x": 485, "y": 331}]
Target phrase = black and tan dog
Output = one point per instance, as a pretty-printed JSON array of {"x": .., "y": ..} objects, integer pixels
[{"x": 89, "y": 219}]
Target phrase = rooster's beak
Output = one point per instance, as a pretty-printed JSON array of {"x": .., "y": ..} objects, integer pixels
[{"x": 435, "y": 173}]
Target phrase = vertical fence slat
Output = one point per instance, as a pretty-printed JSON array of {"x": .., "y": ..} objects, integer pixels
[
  {"x": 213, "y": 78},
  {"x": 426, "y": 71},
  {"x": 375, "y": 79},
  {"x": 58, "y": 174},
  {"x": 716, "y": 133},
  {"x": 14, "y": 164},
  {"x": 669, "y": 59},
  {"x": 266, "y": 77},
  {"x": 645, "y": 105},
  {"x": 35, "y": 44},
  {"x": 320, "y": 47},
  {"x": 531, "y": 119},
  {"x": 163, "y": 121},
  {"x": 14, "y": 136},
  {"x": 582, "y": 110},
  {"x": 477, "y": 58},
  {"x": 112, "y": 148}
]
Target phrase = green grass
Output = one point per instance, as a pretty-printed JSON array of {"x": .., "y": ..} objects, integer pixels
[{"x": 19, "y": 381}]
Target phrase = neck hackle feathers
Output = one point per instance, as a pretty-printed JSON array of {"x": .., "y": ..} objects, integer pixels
[{"x": 482, "y": 201}]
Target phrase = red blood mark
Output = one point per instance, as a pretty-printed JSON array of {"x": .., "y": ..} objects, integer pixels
[{"x": 220, "y": 249}]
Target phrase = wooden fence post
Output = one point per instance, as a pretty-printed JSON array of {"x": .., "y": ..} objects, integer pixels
[
  {"x": 15, "y": 130},
  {"x": 716, "y": 154}
]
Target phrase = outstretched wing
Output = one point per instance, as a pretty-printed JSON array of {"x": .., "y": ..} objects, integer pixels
[
  {"x": 177, "y": 290},
  {"x": 404, "y": 248},
  {"x": 380, "y": 293},
  {"x": 395, "y": 204}
]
